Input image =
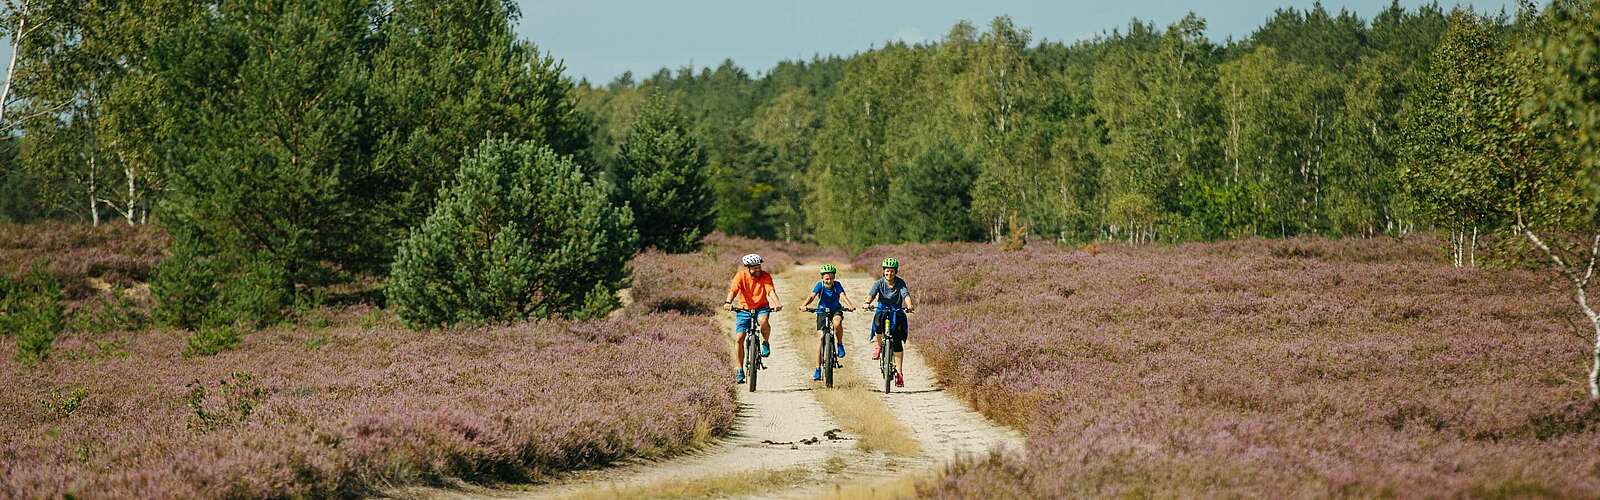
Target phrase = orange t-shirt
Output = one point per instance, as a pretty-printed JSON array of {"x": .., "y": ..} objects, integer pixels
[{"x": 750, "y": 292}]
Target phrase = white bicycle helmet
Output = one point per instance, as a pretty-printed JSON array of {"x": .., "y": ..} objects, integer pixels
[{"x": 751, "y": 260}]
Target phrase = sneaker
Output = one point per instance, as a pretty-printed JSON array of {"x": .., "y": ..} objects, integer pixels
[
  {"x": 899, "y": 381},
  {"x": 841, "y": 350},
  {"x": 740, "y": 379},
  {"x": 766, "y": 349},
  {"x": 877, "y": 351},
  {"x": 816, "y": 375}
]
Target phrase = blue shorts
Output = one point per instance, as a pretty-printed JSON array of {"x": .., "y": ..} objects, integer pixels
[{"x": 741, "y": 319}]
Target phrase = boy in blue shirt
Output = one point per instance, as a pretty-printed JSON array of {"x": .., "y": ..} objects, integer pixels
[{"x": 828, "y": 292}]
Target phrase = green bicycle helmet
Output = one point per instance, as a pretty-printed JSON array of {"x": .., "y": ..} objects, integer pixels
[
  {"x": 891, "y": 263},
  {"x": 827, "y": 268}
]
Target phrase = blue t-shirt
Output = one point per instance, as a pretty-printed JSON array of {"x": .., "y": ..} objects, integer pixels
[{"x": 828, "y": 298}]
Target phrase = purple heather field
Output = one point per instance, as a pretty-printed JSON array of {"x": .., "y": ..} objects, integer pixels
[
  {"x": 1286, "y": 368},
  {"x": 343, "y": 401}
]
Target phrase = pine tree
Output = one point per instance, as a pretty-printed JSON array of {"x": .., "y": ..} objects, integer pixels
[
  {"x": 661, "y": 174},
  {"x": 521, "y": 233}
]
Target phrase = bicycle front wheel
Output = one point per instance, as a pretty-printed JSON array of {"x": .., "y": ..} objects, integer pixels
[
  {"x": 829, "y": 359},
  {"x": 752, "y": 356}
]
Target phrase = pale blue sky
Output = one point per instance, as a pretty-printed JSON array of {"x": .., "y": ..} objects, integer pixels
[{"x": 599, "y": 39}]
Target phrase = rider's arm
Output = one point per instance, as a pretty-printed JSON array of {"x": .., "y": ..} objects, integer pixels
[
  {"x": 844, "y": 298},
  {"x": 772, "y": 296},
  {"x": 732, "y": 289},
  {"x": 808, "y": 300}
]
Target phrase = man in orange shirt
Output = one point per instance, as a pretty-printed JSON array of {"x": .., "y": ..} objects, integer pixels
[{"x": 757, "y": 296}]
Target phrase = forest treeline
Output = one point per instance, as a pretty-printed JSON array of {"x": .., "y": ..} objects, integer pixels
[
  {"x": 287, "y": 144},
  {"x": 1143, "y": 133}
]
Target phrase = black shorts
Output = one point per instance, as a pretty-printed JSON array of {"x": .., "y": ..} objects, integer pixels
[
  {"x": 898, "y": 325},
  {"x": 837, "y": 317}
]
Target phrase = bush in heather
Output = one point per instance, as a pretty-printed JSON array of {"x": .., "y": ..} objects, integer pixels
[
  {"x": 1257, "y": 368},
  {"x": 201, "y": 289},
  {"x": 211, "y": 339},
  {"x": 520, "y": 234},
  {"x": 31, "y": 311}
]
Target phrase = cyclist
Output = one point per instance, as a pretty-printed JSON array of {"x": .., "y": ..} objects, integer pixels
[
  {"x": 827, "y": 293},
  {"x": 755, "y": 291},
  {"x": 893, "y": 302}
]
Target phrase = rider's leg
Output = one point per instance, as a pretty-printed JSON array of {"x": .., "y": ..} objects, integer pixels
[
  {"x": 740, "y": 348},
  {"x": 766, "y": 327},
  {"x": 838, "y": 334},
  {"x": 819, "y": 348}
]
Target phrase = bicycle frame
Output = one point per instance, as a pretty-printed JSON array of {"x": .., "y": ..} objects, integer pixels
[
  {"x": 886, "y": 359},
  {"x": 752, "y": 348},
  {"x": 827, "y": 354}
]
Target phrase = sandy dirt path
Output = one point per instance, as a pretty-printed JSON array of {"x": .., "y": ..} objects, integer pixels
[
  {"x": 782, "y": 427},
  {"x": 944, "y": 426}
]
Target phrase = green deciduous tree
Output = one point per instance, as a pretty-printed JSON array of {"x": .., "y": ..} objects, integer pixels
[
  {"x": 521, "y": 233},
  {"x": 661, "y": 174},
  {"x": 1158, "y": 104},
  {"x": 1464, "y": 137},
  {"x": 1556, "y": 198}
]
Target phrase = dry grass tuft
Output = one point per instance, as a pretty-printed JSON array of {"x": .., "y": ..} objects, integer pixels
[
  {"x": 904, "y": 486},
  {"x": 726, "y": 485}
]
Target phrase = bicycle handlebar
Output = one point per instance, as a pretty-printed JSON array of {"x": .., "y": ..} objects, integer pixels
[
  {"x": 818, "y": 309},
  {"x": 890, "y": 308}
]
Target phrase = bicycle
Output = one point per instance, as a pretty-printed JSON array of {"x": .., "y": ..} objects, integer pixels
[
  {"x": 886, "y": 359},
  {"x": 829, "y": 345},
  {"x": 752, "y": 348}
]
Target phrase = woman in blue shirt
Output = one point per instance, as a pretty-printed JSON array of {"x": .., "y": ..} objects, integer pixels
[
  {"x": 827, "y": 293},
  {"x": 893, "y": 301}
]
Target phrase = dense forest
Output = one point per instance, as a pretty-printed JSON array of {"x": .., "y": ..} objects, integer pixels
[
  {"x": 285, "y": 144},
  {"x": 1143, "y": 133}
]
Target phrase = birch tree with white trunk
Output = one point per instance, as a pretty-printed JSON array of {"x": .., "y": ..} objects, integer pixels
[{"x": 1558, "y": 204}]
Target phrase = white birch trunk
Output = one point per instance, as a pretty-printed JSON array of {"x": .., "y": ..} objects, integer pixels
[
  {"x": 1580, "y": 283},
  {"x": 128, "y": 172},
  {"x": 94, "y": 206},
  {"x": 11, "y": 67}
]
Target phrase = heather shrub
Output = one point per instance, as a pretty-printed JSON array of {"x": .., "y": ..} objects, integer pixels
[
  {"x": 31, "y": 312},
  {"x": 520, "y": 234},
  {"x": 369, "y": 408},
  {"x": 113, "y": 310},
  {"x": 83, "y": 257},
  {"x": 1262, "y": 368}
]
